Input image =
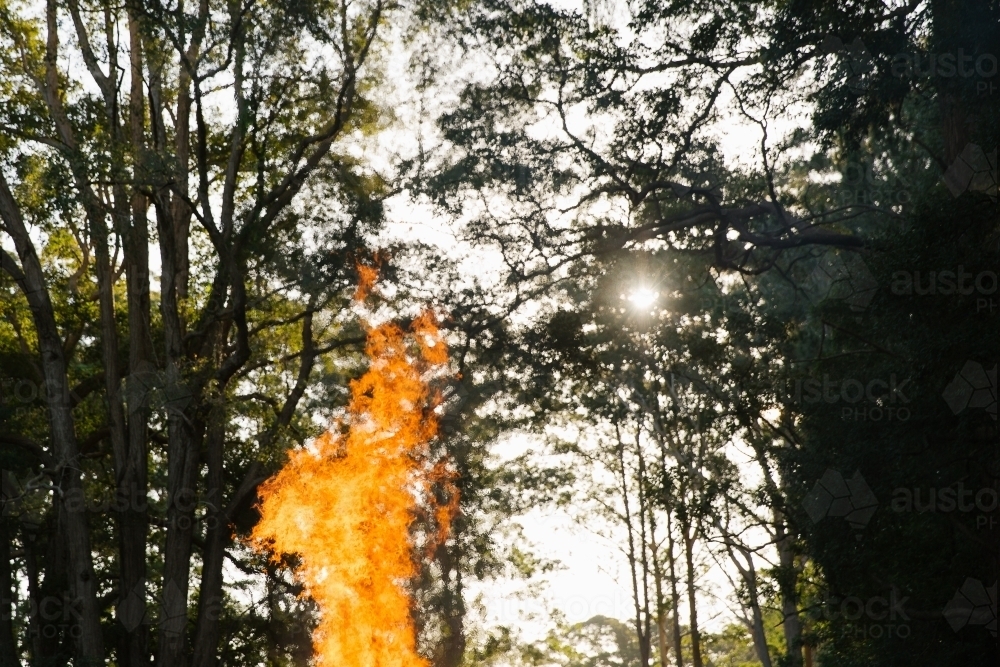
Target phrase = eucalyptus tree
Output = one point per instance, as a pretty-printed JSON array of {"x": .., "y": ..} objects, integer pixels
[
  {"x": 587, "y": 138},
  {"x": 219, "y": 136},
  {"x": 674, "y": 387},
  {"x": 581, "y": 137}
]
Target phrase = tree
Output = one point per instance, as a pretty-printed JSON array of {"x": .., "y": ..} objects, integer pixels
[
  {"x": 588, "y": 143},
  {"x": 219, "y": 134}
]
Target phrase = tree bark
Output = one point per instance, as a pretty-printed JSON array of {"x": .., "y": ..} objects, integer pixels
[
  {"x": 34, "y": 594},
  {"x": 688, "y": 537},
  {"x": 675, "y": 598},
  {"x": 218, "y": 535},
  {"x": 182, "y": 469},
  {"x": 749, "y": 574},
  {"x": 633, "y": 560},
  {"x": 131, "y": 468},
  {"x": 31, "y": 280},
  {"x": 8, "y": 650},
  {"x": 661, "y": 604},
  {"x": 646, "y": 638},
  {"x": 453, "y": 650},
  {"x": 791, "y": 623}
]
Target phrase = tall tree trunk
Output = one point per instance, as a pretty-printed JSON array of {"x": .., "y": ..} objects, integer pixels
[
  {"x": 132, "y": 463},
  {"x": 8, "y": 650},
  {"x": 688, "y": 537},
  {"x": 646, "y": 638},
  {"x": 749, "y": 574},
  {"x": 31, "y": 280},
  {"x": 206, "y": 642},
  {"x": 453, "y": 650},
  {"x": 34, "y": 592},
  {"x": 951, "y": 32},
  {"x": 787, "y": 572},
  {"x": 675, "y": 598},
  {"x": 186, "y": 425},
  {"x": 184, "y": 430},
  {"x": 661, "y": 603},
  {"x": 633, "y": 559},
  {"x": 180, "y": 210},
  {"x": 182, "y": 469},
  {"x": 787, "y": 579},
  {"x": 758, "y": 632}
]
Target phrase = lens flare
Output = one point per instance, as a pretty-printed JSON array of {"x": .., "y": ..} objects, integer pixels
[
  {"x": 349, "y": 505},
  {"x": 643, "y": 297}
]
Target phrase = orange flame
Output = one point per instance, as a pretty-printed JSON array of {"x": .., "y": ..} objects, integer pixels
[
  {"x": 367, "y": 276},
  {"x": 347, "y": 505}
]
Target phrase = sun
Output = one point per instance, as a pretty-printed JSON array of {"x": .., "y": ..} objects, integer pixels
[{"x": 643, "y": 297}]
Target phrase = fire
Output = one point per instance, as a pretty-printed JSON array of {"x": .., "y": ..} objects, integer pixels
[
  {"x": 367, "y": 275},
  {"x": 348, "y": 504}
]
